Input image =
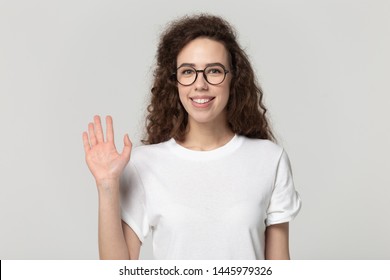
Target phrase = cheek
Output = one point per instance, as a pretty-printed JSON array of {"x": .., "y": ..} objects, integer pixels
[
  {"x": 226, "y": 86},
  {"x": 182, "y": 94},
  {"x": 226, "y": 94}
]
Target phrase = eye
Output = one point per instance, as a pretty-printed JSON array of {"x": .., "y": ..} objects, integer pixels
[
  {"x": 214, "y": 70},
  {"x": 187, "y": 71}
]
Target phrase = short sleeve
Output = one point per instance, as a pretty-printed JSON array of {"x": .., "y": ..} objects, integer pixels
[
  {"x": 133, "y": 202},
  {"x": 285, "y": 202}
]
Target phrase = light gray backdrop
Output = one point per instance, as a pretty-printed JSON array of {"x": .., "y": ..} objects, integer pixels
[{"x": 324, "y": 68}]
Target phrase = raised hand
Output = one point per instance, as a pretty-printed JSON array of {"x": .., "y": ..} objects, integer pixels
[{"x": 101, "y": 155}]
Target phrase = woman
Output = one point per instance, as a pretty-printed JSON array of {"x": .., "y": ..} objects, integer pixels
[{"x": 210, "y": 183}]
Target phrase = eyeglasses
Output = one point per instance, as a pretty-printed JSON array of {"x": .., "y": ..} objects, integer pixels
[{"x": 214, "y": 74}]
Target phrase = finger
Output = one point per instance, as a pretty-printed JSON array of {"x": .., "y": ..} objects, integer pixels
[
  {"x": 127, "y": 147},
  {"x": 110, "y": 129},
  {"x": 98, "y": 129},
  {"x": 92, "y": 136},
  {"x": 87, "y": 146}
]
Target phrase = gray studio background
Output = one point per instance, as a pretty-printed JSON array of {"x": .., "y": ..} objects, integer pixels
[{"x": 324, "y": 68}]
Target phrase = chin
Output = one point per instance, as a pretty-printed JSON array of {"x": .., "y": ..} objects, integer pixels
[
  {"x": 201, "y": 120},
  {"x": 205, "y": 119}
]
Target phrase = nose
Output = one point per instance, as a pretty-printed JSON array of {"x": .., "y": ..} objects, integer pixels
[{"x": 200, "y": 82}]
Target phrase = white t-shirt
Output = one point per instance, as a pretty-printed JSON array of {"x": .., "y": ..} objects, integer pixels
[{"x": 208, "y": 204}]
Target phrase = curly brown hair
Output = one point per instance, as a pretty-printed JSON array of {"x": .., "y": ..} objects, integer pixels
[{"x": 167, "y": 118}]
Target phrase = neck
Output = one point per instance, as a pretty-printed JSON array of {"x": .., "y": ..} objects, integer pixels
[{"x": 206, "y": 137}]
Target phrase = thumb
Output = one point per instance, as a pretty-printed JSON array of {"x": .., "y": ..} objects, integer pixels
[{"x": 127, "y": 147}]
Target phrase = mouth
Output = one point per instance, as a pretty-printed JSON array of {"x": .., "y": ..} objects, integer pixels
[{"x": 202, "y": 100}]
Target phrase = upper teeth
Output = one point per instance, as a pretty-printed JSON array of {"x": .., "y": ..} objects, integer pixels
[{"x": 201, "y": 101}]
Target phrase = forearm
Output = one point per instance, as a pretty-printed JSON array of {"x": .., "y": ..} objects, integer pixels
[
  {"x": 112, "y": 244},
  {"x": 276, "y": 242}
]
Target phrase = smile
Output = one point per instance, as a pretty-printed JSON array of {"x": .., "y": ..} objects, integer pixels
[{"x": 202, "y": 101}]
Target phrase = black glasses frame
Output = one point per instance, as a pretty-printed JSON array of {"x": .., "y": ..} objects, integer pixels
[{"x": 204, "y": 74}]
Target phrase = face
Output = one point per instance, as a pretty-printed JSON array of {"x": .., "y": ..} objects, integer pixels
[{"x": 204, "y": 102}]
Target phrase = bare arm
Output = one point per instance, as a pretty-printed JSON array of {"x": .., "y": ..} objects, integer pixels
[
  {"x": 132, "y": 241},
  {"x": 116, "y": 239},
  {"x": 106, "y": 165},
  {"x": 276, "y": 242},
  {"x": 112, "y": 243}
]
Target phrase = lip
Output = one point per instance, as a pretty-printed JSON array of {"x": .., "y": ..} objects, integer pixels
[{"x": 202, "y": 105}]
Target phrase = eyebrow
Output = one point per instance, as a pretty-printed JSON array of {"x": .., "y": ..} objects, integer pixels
[{"x": 207, "y": 65}]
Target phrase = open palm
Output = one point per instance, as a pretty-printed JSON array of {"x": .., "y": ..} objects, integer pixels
[{"x": 102, "y": 157}]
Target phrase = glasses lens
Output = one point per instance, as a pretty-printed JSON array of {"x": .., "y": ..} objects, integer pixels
[
  {"x": 186, "y": 75},
  {"x": 215, "y": 74}
]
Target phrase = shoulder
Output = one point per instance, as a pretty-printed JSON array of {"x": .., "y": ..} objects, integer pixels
[
  {"x": 264, "y": 147},
  {"x": 150, "y": 151},
  {"x": 268, "y": 152}
]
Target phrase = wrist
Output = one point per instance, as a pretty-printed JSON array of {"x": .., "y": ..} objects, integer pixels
[{"x": 107, "y": 183}]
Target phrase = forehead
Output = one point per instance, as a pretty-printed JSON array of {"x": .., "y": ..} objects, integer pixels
[{"x": 202, "y": 51}]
